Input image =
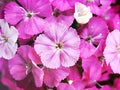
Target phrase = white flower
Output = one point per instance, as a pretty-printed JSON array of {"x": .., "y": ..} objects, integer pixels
[
  {"x": 8, "y": 39},
  {"x": 82, "y": 13}
]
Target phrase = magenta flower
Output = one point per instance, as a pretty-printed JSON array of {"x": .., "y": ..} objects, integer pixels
[
  {"x": 112, "y": 50},
  {"x": 8, "y": 39},
  {"x": 56, "y": 47},
  {"x": 52, "y": 77},
  {"x": 93, "y": 36},
  {"x": 92, "y": 68},
  {"x": 22, "y": 65},
  {"x": 29, "y": 18}
]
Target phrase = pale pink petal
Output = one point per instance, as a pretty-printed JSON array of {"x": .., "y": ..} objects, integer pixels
[
  {"x": 56, "y": 32},
  {"x": 4, "y": 26},
  {"x": 9, "y": 50},
  {"x": 115, "y": 65},
  {"x": 53, "y": 57},
  {"x": 109, "y": 56},
  {"x": 74, "y": 42},
  {"x": 12, "y": 34},
  {"x": 110, "y": 51},
  {"x": 115, "y": 35},
  {"x": 1, "y": 50},
  {"x": 66, "y": 59},
  {"x": 73, "y": 52},
  {"x": 42, "y": 44}
]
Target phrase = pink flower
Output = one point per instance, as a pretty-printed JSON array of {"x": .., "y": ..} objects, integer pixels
[
  {"x": 112, "y": 50},
  {"x": 56, "y": 47},
  {"x": 29, "y": 18},
  {"x": 8, "y": 39},
  {"x": 93, "y": 36},
  {"x": 57, "y": 74},
  {"x": 22, "y": 65}
]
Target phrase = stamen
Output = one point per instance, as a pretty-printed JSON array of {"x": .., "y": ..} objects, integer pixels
[
  {"x": 59, "y": 46},
  {"x": 28, "y": 67},
  {"x": 5, "y": 39},
  {"x": 98, "y": 36},
  {"x": 118, "y": 49},
  {"x": 29, "y": 14},
  {"x": 56, "y": 13}
]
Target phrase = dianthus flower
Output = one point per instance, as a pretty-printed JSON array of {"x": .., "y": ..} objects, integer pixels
[
  {"x": 56, "y": 47},
  {"x": 28, "y": 17},
  {"x": 112, "y": 50},
  {"x": 8, "y": 39}
]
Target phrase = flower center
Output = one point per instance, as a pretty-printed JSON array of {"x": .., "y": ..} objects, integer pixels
[
  {"x": 56, "y": 12},
  {"x": 5, "y": 39},
  {"x": 58, "y": 46},
  {"x": 28, "y": 67},
  {"x": 29, "y": 14},
  {"x": 89, "y": 39},
  {"x": 118, "y": 49}
]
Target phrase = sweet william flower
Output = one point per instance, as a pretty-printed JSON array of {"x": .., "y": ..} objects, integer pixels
[
  {"x": 112, "y": 50},
  {"x": 93, "y": 36},
  {"x": 25, "y": 65},
  {"x": 21, "y": 65},
  {"x": 57, "y": 74},
  {"x": 56, "y": 47},
  {"x": 82, "y": 13},
  {"x": 8, "y": 39},
  {"x": 29, "y": 18}
]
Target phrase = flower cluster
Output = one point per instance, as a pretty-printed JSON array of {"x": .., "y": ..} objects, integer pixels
[{"x": 60, "y": 44}]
